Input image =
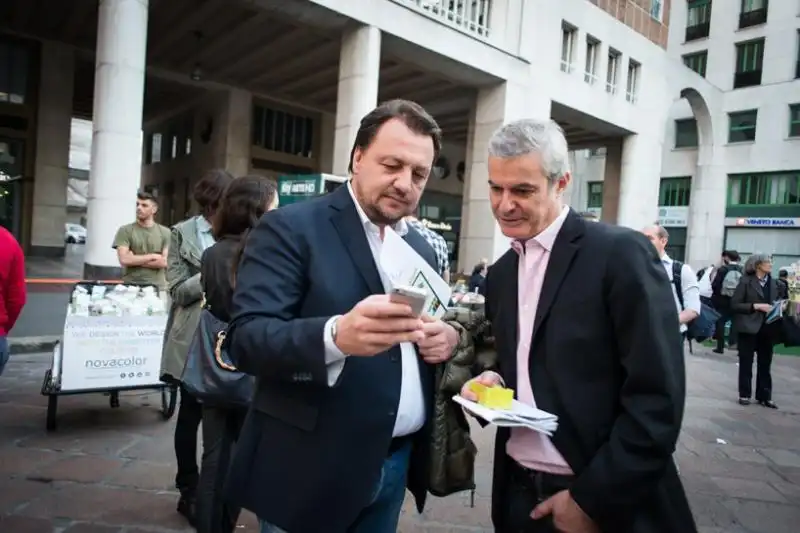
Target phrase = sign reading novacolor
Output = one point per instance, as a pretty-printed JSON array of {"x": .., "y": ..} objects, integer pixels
[{"x": 111, "y": 352}]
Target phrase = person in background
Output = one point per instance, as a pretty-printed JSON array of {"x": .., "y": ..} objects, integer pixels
[
  {"x": 783, "y": 284},
  {"x": 724, "y": 284},
  {"x": 477, "y": 278},
  {"x": 244, "y": 201},
  {"x": 12, "y": 289},
  {"x": 142, "y": 246},
  {"x": 438, "y": 244},
  {"x": 752, "y": 300},
  {"x": 690, "y": 290},
  {"x": 189, "y": 239}
]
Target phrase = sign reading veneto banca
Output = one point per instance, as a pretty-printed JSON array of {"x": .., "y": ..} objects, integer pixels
[{"x": 769, "y": 222}]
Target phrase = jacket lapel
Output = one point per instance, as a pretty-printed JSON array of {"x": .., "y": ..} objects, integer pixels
[
  {"x": 561, "y": 257},
  {"x": 351, "y": 231},
  {"x": 190, "y": 247},
  {"x": 757, "y": 286}
]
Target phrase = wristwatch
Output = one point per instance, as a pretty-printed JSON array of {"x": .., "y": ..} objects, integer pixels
[{"x": 334, "y": 328}]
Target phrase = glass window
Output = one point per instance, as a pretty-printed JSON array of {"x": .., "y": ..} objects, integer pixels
[
  {"x": 568, "y": 34},
  {"x": 595, "y": 199},
  {"x": 794, "y": 120},
  {"x": 155, "y": 152},
  {"x": 753, "y": 5},
  {"x": 14, "y": 67},
  {"x": 657, "y": 9},
  {"x": 612, "y": 73},
  {"x": 697, "y": 62},
  {"x": 633, "y": 81},
  {"x": 699, "y": 12},
  {"x": 742, "y": 126},
  {"x": 750, "y": 56},
  {"x": 775, "y": 189},
  {"x": 674, "y": 192},
  {"x": 283, "y": 132},
  {"x": 686, "y": 133}
]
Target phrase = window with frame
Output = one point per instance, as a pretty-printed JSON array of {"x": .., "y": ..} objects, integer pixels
[
  {"x": 697, "y": 62},
  {"x": 698, "y": 19},
  {"x": 742, "y": 126},
  {"x": 797, "y": 58},
  {"x": 753, "y": 12},
  {"x": 686, "y": 133},
  {"x": 569, "y": 34},
  {"x": 633, "y": 81},
  {"x": 595, "y": 198},
  {"x": 657, "y": 10},
  {"x": 749, "y": 64},
  {"x": 794, "y": 120},
  {"x": 674, "y": 192},
  {"x": 592, "y": 49},
  {"x": 283, "y": 132},
  {"x": 612, "y": 72},
  {"x": 766, "y": 189},
  {"x": 15, "y": 60}
]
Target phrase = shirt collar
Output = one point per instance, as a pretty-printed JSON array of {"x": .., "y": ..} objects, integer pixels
[
  {"x": 547, "y": 238},
  {"x": 400, "y": 227},
  {"x": 667, "y": 260},
  {"x": 203, "y": 224}
]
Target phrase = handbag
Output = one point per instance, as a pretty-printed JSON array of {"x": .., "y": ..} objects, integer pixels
[{"x": 209, "y": 374}]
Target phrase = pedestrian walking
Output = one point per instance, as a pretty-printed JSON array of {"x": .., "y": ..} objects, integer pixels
[{"x": 12, "y": 289}]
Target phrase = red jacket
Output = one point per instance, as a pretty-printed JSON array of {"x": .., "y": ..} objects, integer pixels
[{"x": 12, "y": 281}]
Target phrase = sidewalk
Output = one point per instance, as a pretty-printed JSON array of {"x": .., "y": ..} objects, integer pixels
[{"x": 111, "y": 471}]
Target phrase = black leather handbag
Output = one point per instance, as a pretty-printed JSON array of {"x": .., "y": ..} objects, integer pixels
[{"x": 209, "y": 374}]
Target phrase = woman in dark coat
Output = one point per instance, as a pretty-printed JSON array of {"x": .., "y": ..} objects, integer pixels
[
  {"x": 752, "y": 301},
  {"x": 242, "y": 205}
]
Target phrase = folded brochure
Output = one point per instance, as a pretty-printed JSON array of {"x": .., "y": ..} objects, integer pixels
[{"x": 520, "y": 415}]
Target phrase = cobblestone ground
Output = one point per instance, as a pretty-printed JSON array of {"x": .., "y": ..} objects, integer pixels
[{"x": 110, "y": 471}]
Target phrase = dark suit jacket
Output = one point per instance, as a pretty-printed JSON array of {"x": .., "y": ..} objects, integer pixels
[
  {"x": 606, "y": 359},
  {"x": 309, "y": 456},
  {"x": 749, "y": 292}
]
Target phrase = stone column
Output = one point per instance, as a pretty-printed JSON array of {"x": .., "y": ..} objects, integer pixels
[
  {"x": 53, "y": 125},
  {"x": 706, "y": 233},
  {"x": 232, "y": 147},
  {"x": 480, "y": 235},
  {"x": 117, "y": 141},
  {"x": 611, "y": 182},
  {"x": 359, "y": 72},
  {"x": 640, "y": 177}
]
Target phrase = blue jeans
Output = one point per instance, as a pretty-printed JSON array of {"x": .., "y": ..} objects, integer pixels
[
  {"x": 4, "y": 353},
  {"x": 383, "y": 511}
]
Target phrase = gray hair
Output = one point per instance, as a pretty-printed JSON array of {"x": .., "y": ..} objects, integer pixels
[
  {"x": 754, "y": 261},
  {"x": 526, "y": 136},
  {"x": 661, "y": 231}
]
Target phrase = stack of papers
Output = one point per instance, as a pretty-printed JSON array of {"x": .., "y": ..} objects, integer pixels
[
  {"x": 777, "y": 311},
  {"x": 519, "y": 416}
]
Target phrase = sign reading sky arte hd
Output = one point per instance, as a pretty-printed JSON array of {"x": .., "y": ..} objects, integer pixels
[{"x": 763, "y": 222}]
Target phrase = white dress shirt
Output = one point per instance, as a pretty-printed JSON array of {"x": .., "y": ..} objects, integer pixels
[
  {"x": 689, "y": 287},
  {"x": 411, "y": 410}
]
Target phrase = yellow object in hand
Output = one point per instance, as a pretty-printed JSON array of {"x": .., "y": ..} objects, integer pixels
[{"x": 493, "y": 397}]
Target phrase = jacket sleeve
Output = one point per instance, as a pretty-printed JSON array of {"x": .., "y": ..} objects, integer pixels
[
  {"x": 184, "y": 288},
  {"x": 265, "y": 337},
  {"x": 738, "y": 300},
  {"x": 628, "y": 467},
  {"x": 15, "y": 290}
]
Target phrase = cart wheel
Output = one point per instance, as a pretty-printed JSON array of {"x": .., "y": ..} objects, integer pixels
[
  {"x": 169, "y": 398},
  {"x": 52, "y": 407},
  {"x": 113, "y": 399}
]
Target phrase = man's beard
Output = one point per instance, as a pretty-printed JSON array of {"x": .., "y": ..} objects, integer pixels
[{"x": 379, "y": 218}]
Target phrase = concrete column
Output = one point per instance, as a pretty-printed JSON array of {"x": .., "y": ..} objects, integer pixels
[
  {"x": 640, "y": 177},
  {"x": 232, "y": 146},
  {"x": 53, "y": 125},
  {"x": 117, "y": 118},
  {"x": 706, "y": 235},
  {"x": 327, "y": 134},
  {"x": 480, "y": 234},
  {"x": 359, "y": 72},
  {"x": 611, "y": 182}
]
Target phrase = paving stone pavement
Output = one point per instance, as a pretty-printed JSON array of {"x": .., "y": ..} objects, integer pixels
[{"x": 111, "y": 471}]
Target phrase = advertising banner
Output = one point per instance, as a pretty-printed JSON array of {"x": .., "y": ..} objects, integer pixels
[{"x": 108, "y": 352}]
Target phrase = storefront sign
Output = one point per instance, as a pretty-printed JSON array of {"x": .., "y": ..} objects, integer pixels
[
  {"x": 763, "y": 222},
  {"x": 440, "y": 226},
  {"x": 111, "y": 352},
  {"x": 673, "y": 217},
  {"x": 299, "y": 188}
]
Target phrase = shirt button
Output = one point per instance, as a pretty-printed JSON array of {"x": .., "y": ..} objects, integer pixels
[
  {"x": 394, "y": 358},
  {"x": 392, "y": 413}
]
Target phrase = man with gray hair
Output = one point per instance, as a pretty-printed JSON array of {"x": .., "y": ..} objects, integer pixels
[
  {"x": 584, "y": 327},
  {"x": 687, "y": 301}
]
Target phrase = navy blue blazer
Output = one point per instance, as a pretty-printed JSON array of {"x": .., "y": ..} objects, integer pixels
[{"x": 309, "y": 456}]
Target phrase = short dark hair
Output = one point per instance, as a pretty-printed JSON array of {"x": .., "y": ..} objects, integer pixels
[
  {"x": 733, "y": 255},
  {"x": 208, "y": 191},
  {"x": 411, "y": 113},
  {"x": 146, "y": 195},
  {"x": 242, "y": 204},
  {"x": 783, "y": 273}
]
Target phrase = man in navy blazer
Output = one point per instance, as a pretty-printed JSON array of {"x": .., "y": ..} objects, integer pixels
[{"x": 339, "y": 422}]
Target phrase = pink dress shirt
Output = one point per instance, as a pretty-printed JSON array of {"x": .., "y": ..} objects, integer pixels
[{"x": 527, "y": 447}]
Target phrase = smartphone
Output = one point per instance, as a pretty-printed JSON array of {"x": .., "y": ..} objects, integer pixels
[{"x": 412, "y": 296}]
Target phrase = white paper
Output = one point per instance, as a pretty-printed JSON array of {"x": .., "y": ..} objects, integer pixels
[
  {"x": 404, "y": 266},
  {"x": 520, "y": 415}
]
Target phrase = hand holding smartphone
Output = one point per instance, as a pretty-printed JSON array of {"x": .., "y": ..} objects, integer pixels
[{"x": 411, "y": 296}]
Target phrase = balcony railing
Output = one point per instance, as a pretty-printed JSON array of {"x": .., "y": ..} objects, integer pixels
[
  {"x": 746, "y": 79},
  {"x": 752, "y": 18},
  {"x": 469, "y": 16},
  {"x": 698, "y": 31}
]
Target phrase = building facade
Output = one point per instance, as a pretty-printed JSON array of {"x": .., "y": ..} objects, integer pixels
[
  {"x": 175, "y": 88},
  {"x": 752, "y": 204}
]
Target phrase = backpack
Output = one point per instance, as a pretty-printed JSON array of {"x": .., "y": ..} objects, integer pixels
[
  {"x": 702, "y": 327},
  {"x": 731, "y": 281}
]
